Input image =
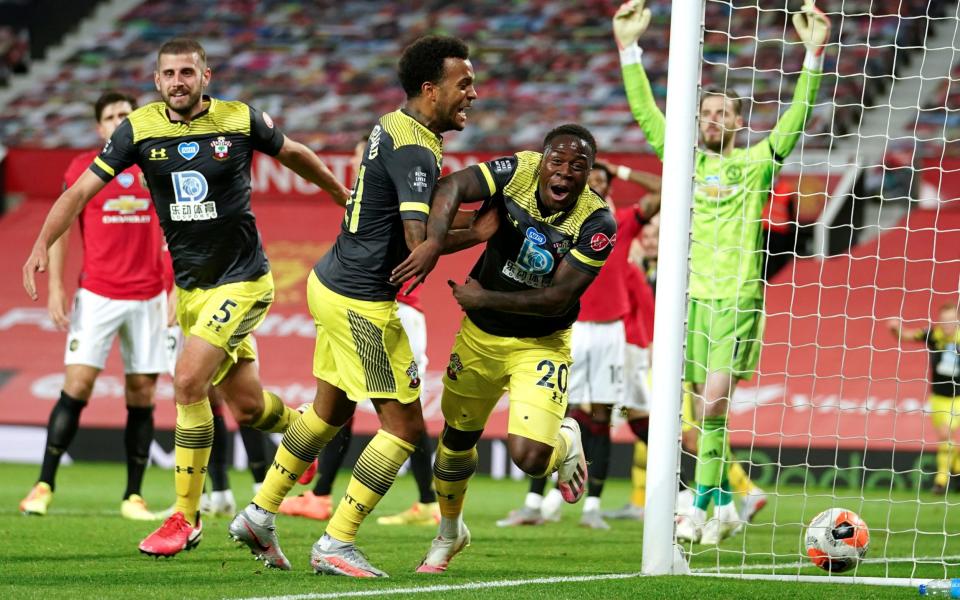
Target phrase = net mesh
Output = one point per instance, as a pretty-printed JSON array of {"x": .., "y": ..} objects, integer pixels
[{"x": 861, "y": 266}]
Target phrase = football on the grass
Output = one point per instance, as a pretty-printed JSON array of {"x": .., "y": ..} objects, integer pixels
[{"x": 837, "y": 540}]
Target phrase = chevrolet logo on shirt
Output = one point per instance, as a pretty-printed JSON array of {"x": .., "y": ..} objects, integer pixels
[
  {"x": 158, "y": 154},
  {"x": 126, "y": 204}
]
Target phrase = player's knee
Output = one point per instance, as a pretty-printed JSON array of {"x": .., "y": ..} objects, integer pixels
[
  {"x": 531, "y": 457},
  {"x": 457, "y": 440},
  {"x": 79, "y": 383},
  {"x": 246, "y": 409},
  {"x": 140, "y": 390},
  {"x": 188, "y": 387},
  {"x": 81, "y": 390}
]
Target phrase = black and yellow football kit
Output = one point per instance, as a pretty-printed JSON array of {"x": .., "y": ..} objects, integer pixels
[
  {"x": 361, "y": 346},
  {"x": 198, "y": 174},
  {"x": 944, "y": 352},
  {"x": 527, "y": 355}
]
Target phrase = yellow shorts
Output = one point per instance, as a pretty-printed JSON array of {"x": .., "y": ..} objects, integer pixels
[
  {"x": 688, "y": 415},
  {"x": 946, "y": 411},
  {"x": 225, "y": 316},
  {"x": 361, "y": 346},
  {"x": 533, "y": 371}
]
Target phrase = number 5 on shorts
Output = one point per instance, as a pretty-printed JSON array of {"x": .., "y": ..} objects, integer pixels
[{"x": 223, "y": 313}]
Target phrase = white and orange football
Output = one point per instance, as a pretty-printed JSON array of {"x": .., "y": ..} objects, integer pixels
[{"x": 837, "y": 539}]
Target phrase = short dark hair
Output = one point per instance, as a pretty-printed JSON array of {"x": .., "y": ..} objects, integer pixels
[
  {"x": 575, "y": 130},
  {"x": 423, "y": 61},
  {"x": 712, "y": 91},
  {"x": 183, "y": 45},
  {"x": 111, "y": 97},
  {"x": 605, "y": 169}
]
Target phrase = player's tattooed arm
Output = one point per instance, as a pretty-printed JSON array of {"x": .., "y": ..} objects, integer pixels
[
  {"x": 568, "y": 285},
  {"x": 449, "y": 193},
  {"x": 483, "y": 224},
  {"x": 62, "y": 214},
  {"x": 302, "y": 161}
]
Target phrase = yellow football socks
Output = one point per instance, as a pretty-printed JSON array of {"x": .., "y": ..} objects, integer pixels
[
  {"x": 638, "y": 474},
  {"x": 193, "y": 440},
  {"x": 943, "y": 463},
  {"x": 276, "y": 417},
  {"x": 299, "y": 447},
  {"x": 451, "y": 473},
  {"x": 372, "y": 476}
]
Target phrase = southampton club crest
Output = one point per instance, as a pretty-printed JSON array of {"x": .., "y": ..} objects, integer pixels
[
  {"x": 414, "y": 374},
  {"x": 454, "y": 367},
  {"x": 221, "y": 148}
]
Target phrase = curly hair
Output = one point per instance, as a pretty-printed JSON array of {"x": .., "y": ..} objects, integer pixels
[
  {"x": 578, "y": 131},
  {"x": 423, "y": 61}
]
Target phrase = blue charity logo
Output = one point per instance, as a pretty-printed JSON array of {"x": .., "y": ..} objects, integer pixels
[
  {"x": 188, "y": 149},
  {"x": 536, "y": 237},
  {"x": 125, "y": 179}
]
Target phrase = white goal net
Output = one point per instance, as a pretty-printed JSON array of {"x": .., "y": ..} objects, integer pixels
[{"x": 858, "y": 245}]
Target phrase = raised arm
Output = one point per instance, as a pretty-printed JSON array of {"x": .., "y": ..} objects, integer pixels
[
  {"x": 302, "y": 161},
  {"x": 62, "y": 214},
  {"x": 629, "y": 23},
  {"x": 813, "y": 29}
]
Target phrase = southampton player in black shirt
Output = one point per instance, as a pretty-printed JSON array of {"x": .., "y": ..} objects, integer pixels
[
  {"x": 195, "y": 152},
  {"x": 362, "y": 350},
  {"x": 520, "y": 299}
]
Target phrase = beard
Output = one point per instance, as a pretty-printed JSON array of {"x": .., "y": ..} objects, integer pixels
[
  {"x": 717, "y": 145},
  {"x": 184, "y": 109}
]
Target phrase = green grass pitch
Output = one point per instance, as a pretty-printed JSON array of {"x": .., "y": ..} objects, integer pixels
[{"x": 83, "y": 549}]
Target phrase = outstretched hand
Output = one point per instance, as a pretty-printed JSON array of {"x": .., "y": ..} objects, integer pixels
[
  {"x": 468, "y": 295},
  {"x": 813, "y": 27},
  {"x": 417, "y": 266},
  {"x": 36, "y": 262},
  {"x": 629, "y": 23}
]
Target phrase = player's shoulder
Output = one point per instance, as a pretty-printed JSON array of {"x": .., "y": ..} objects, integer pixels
[
  {"x": 148, "y": 115},
  {"x": 595, "y": 210},
  {"x": 529, "y": 161},
  {"x": 404, "y": 131},
  {"x": 231, "y": 116},
  {"x": 523, "y": 181}
]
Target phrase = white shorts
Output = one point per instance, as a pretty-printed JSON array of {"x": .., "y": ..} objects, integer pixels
[
  {"x": 637, "y": 367},
  {"x": 415, "y": 325},
  {"x": 140, "y": 324},
  {"x": 596, "y": 375}
]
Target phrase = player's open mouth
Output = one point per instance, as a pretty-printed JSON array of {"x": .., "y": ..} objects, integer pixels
[
  {"x": 462, "y": 112},
  {"x": 559, "y": 192}
]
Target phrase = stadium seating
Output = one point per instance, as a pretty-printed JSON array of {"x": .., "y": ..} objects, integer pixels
[{"x": 323, "y": 68}]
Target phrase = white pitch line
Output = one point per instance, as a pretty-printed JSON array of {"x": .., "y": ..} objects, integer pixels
[
  {"x": 479, "y": 585},
  {"x": 802, "y": 564}
]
